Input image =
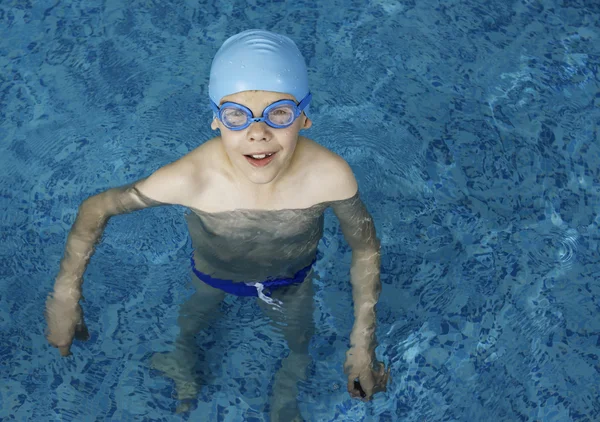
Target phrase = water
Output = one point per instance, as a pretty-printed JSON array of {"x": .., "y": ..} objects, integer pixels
[{"x": 472, "y": 128}]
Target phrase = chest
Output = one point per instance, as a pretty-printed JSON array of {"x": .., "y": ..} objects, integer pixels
[
  {"x": 220, "y": 192},
  {"x": 221, "y": 200},
  {"x": 262, "y": 226}
]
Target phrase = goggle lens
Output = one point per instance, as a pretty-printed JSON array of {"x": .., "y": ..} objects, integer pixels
[
  {"x": 233, "y": 117},
  {"x": 282, "y": 115}
]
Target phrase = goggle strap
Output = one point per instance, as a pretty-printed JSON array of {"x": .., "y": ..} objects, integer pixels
[
  {"x": 214, "y": 107},
  {"x": 304, "y": 103}
]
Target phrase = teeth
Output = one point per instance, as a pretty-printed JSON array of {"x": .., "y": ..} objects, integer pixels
[{"x": 261, "y": 156}]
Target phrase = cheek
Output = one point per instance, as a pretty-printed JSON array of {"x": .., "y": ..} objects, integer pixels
[
  {"x": 289, "y": 137},
  {"x": 230, "y": 143},
  {"x": 290, "y": 142},
  {"x": 293, "y": 131}
]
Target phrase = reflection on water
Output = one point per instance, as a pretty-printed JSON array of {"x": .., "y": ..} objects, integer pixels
[{"x": 471, "y": 128}]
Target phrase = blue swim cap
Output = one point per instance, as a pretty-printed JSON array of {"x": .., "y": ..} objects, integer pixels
[{"x": 258, "y": 60}]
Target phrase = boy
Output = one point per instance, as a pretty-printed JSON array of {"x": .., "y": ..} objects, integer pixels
[{"x": 258, "y": 193}]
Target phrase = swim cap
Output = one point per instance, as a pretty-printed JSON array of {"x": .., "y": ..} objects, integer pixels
[{"x": 258, "y": 60}]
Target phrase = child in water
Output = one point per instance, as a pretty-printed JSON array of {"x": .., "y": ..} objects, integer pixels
[{"x": 257, "y": 195}]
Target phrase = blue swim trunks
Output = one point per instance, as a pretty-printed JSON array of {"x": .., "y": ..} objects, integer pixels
[{"x": 250, "y": 289}]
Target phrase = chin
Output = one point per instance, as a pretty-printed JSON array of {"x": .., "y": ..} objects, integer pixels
[
  {"x": 261, "y": 179},
  {"x": 260, "y": 176}
]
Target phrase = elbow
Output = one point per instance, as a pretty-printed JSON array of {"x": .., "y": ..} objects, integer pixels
[
  {"x": 372, "y": 254},
  {"x": 89, "y": 204},
  {"x": 371, "y": 248},
  {"x": 92, "y": 214},
  {"x": 89, "y": 208},
  {"x": 102, "y": 205},
  {"x": 367, "y": 258}
]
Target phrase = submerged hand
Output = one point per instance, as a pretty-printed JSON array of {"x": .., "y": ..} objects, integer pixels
[
  {"x": 65, "y": 322},
  {"x": 366, "y": 375}
]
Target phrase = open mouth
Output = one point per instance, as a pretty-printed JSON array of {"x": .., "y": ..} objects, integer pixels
[{"x": 260, "y": 160}]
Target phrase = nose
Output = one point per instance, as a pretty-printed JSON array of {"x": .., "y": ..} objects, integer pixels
[{"x": 259, "y": 131}]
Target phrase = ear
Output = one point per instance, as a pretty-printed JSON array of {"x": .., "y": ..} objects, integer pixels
[
  {"x": 214, "y": 125},
  {"x": 307, "y": 122}
]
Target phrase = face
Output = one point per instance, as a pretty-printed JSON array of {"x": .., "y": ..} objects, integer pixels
[{"x": 246, "y": 148}]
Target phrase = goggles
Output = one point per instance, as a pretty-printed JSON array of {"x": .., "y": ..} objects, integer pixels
[{"x": 279, "y": 115}]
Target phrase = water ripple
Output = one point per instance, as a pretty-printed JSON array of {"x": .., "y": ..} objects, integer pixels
[{"x": 557, "y": 248}]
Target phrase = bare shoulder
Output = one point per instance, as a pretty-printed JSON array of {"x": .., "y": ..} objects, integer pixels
[
  {"x": 180, "y": 181},
  {"x": 331, "y": 176}
]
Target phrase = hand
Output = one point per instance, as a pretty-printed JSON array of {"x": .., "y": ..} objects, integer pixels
[
  {"x": 366, "y": 375},
  {"x": 65, "y": 322}
]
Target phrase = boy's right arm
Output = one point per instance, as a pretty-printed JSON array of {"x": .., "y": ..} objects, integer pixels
[
  {"x": 171, "y": 184},
  {"x": 63, "y": 313}
]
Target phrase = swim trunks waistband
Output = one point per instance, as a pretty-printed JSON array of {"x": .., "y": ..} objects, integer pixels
[{"x": 251, "y": 289}]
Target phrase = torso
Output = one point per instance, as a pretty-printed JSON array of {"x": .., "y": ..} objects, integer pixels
[{"x": 240, "y": 236}]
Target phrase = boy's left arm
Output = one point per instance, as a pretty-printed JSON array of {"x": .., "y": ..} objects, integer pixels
[{"x": 361, "y": 364}]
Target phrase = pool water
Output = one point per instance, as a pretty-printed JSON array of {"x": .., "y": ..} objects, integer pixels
[{"x": 471, "y": 126}]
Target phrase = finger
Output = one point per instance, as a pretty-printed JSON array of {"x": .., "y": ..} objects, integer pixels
[
  {"x": 382, "y": 379},
  {"x": 64, "y": 350},
  {"x": 81, "y": 331},
  {"x": 358, "y": 387},
  {"x": 353, "y": 387},
  {"x": 386, "y": 379},
  {"x": 367, "y": 381}
]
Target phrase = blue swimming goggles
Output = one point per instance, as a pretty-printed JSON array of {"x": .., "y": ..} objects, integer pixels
[{"x": 280, "y": 114}]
